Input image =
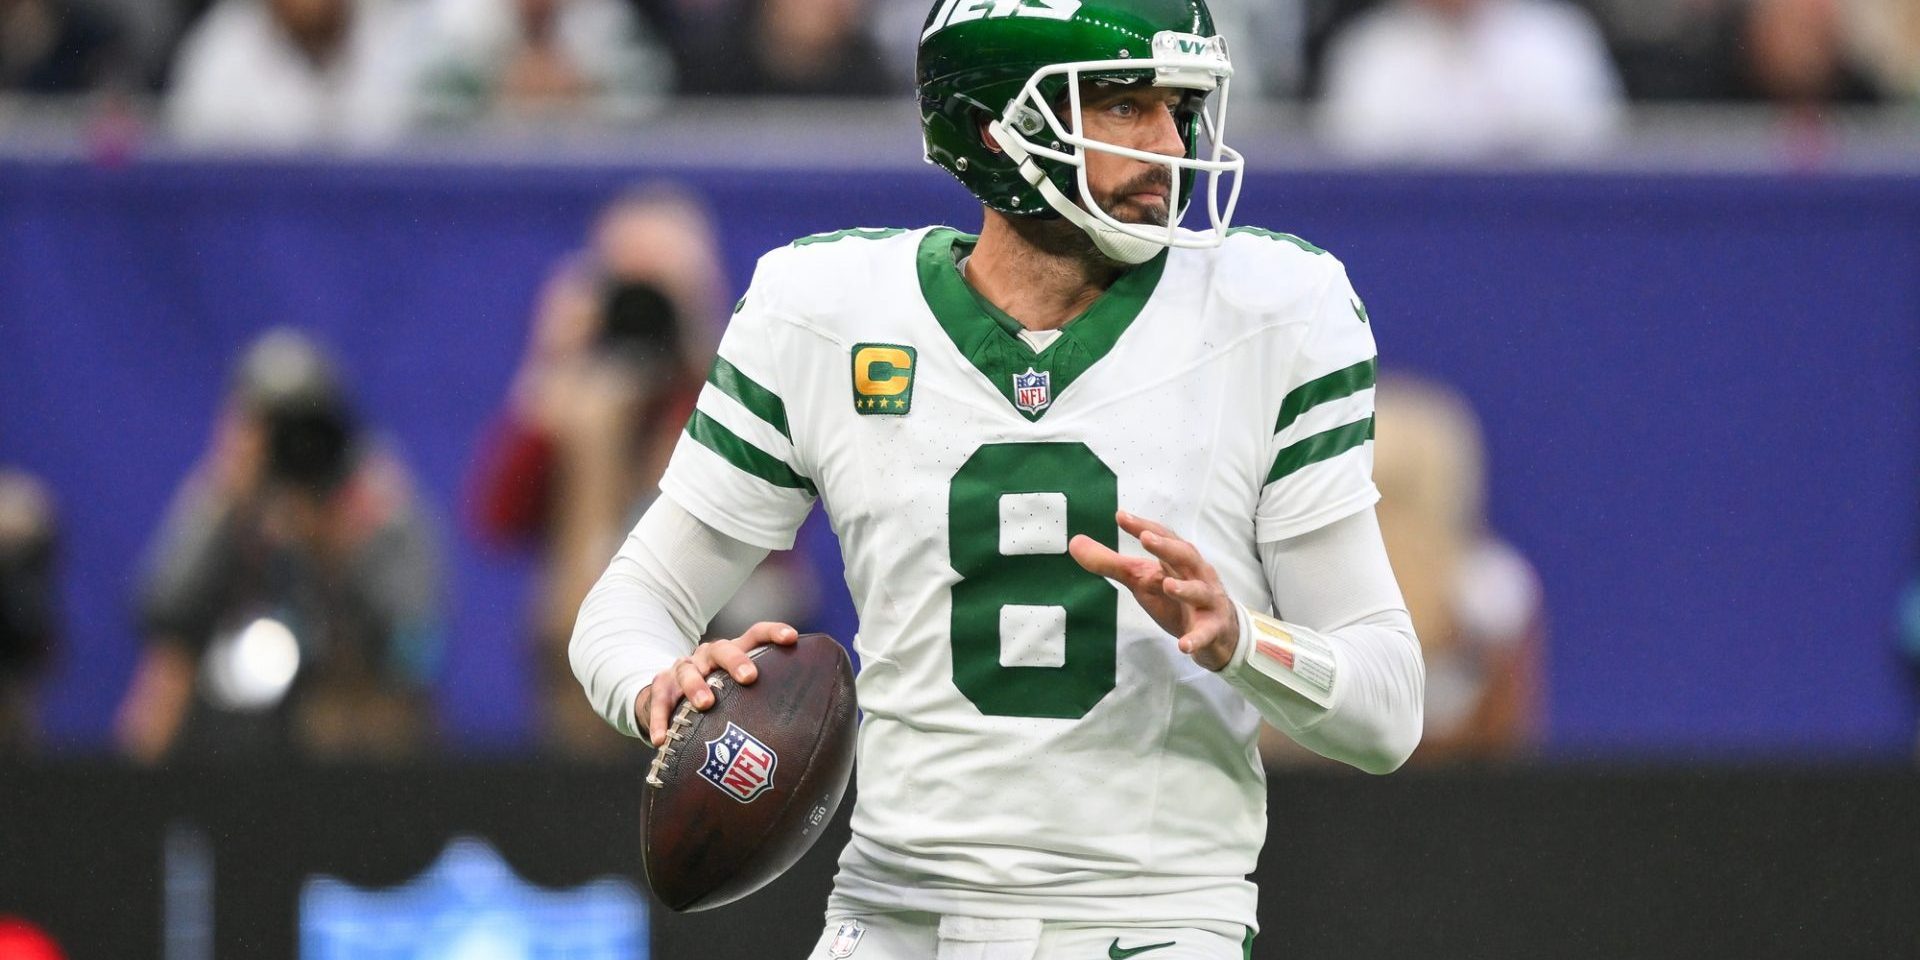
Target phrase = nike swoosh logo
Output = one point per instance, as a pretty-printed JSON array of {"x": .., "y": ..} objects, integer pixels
[{"x": 1117, "y": 952}]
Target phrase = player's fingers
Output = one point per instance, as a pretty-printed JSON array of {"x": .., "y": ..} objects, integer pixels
[
  {"x": 1181, "y": 557},
  {"x": 1190, "y": 642},
  {"x": 1207, "y": 646},
  {"x": 766, "y": 632},
  {"x": 1134, "y": 573},
  {"x": 1096, "y": 557},
  {"x": 666, "y": 693},
  {"x": 1137, "y": 525},
  {"x": 693, "y": 683},
  {"x": 734, "y": 659},
  {"x": 1194, "y": 593}
]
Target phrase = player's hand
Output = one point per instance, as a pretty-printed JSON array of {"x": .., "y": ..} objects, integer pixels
[
  {"x": 687, "y": 676},
  {"x": 1177, "y": 587}
]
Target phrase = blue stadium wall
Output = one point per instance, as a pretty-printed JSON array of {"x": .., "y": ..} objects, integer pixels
[{"x": 1701, "y": 395}]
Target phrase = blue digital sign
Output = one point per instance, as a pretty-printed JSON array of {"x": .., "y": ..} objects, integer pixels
[{"x": 470, "y": 905}]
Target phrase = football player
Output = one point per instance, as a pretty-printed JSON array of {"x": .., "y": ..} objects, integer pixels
[{"x": 1102, "y": 484}]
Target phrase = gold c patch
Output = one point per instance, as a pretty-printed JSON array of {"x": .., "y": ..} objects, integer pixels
[{"x": 883, "y": 379}]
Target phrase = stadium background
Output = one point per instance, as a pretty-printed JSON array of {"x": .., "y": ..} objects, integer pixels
[
  {"x": 1696, "y": 355},
  {"x": 1699, "y": 390}
]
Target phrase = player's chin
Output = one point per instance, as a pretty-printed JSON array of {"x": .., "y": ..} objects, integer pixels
[{"x": 1140, "y": 212}]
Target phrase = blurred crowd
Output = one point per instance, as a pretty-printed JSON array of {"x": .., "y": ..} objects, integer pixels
[
  {"x": 293, "y": 596},
  {"x": 292, "y": 599},
  {"x": 1387, "y": 78}
]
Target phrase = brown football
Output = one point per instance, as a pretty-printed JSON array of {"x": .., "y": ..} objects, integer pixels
[{"x": 744, "y": 788}]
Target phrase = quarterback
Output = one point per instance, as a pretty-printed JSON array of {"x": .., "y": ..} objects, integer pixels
[{"x": 1102, "y": 482}]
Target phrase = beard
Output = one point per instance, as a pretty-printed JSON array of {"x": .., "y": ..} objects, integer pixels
[
  {"x": 1054, "y": 235},
  {"x": 1150, "y": 180},
  {"x": 1051, "y": 234}
]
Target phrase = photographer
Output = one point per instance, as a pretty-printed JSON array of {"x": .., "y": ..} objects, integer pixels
[
  {"x": 292, "y": 593},
  {"x": 618, "y": 351},
  {"x": 27, "y": 602}
]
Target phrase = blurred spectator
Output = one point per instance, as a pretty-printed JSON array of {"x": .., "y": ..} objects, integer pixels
[
  {"x": 1269, "y": 40},
  {"x": 28, "y": 598},
  {"x": 1887, "y": 34},
  {"x": 58, "y": 46},
  {"x": 1475, "y": 601},
  {"x": 791, "y": 48},
  {"x": 528, "y": 55},
  {"x": 1797, "y": 55},
  {"x": 1673, "y": 51},
  {"x": 288, "y": 73},
  {"x": 292, "y": 594},
  {"x": 617, "y": 356},
  {"x": 1469, "y": 79}
]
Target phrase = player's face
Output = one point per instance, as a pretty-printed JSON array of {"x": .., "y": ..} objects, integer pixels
[{"x": 1144, "y": 118}]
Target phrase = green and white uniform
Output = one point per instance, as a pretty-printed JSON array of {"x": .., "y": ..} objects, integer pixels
[{"x": 1033, "y": 744}]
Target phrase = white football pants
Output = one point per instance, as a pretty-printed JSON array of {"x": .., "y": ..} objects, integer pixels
[{"x": 927, "y": 936}]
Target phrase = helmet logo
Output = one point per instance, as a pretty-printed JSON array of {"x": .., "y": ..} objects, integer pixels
[{"x": 961, "y": 11}]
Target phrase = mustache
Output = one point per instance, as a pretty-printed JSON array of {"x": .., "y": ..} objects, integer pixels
[{"x": 1157, "y": 178}]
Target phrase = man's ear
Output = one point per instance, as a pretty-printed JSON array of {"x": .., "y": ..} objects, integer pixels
[{"x": 986, "y": 137}]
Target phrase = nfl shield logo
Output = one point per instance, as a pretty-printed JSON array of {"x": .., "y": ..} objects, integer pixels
[
  {"x": 846, "y": 939},
  {"x": 1032, "y": 391},
  {"x": 739, "y": 764}
]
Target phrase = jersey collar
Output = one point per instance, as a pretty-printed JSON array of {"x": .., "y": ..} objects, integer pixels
[{"x": 990, "y": 339}]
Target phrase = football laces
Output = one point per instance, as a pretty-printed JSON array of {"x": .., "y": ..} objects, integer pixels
[{"x": 683, "y": 718}]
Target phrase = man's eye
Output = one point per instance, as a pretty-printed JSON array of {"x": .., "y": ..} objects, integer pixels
[{"x": 1122, "y": 108}]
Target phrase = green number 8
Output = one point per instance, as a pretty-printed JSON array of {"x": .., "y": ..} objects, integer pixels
[{"x": 1039, "y": 574}]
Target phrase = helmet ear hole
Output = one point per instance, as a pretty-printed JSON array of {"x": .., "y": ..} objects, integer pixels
[{"x": 987, "y": 138}]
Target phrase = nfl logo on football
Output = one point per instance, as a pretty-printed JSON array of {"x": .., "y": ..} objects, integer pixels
[
  {"x": 1032, "y": 391},
  {"x": 739, "y": 764}
]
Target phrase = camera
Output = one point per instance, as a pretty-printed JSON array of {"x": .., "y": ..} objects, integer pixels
[
  {"x": 309, "y": 443},
  {"x": 639, "y": 323}
]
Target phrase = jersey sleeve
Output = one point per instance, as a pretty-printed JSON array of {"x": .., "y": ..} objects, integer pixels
[
  {"x": 1321, "y": 450},
  {"x": 735, "y": 467}
]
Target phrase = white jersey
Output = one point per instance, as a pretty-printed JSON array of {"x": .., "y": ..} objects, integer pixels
[{"x": 1033, "y": 745}]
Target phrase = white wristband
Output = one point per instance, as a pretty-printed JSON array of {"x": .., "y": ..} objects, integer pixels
[{"x": 1301, "y": 662}]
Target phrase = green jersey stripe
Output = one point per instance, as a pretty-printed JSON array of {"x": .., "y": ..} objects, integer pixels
[
  {"x": 763, "y": 403},
  {"x": 715, "y": 436},
  {"x": 1341, "y": 383},
  {"x": 1321, "y": 446},
  {"x": 1276, "y": 235}
]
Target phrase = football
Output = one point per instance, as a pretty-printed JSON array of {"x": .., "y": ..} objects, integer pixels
[{"x": 741, "y": 790}]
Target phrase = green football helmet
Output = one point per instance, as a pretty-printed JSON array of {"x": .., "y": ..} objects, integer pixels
[{"x": 1010, "y": 65}]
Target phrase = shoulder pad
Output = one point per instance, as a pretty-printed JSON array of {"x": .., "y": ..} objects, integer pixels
[
  {"x": 814, "y": 275},
  {"x": 1269, "y": 273}
]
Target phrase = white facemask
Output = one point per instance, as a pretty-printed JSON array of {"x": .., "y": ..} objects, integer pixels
[{"x": 1180, "y": 61}]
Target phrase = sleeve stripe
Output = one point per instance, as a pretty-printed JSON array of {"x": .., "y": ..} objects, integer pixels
[
  {"x": 764, "y": 403},
  {"x": 1321, "y": 446},
  {"x": 1340, "y": 383},
  {"x": 714, "y": 435}
]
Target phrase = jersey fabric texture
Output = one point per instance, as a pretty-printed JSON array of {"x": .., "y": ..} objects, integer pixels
[{"x": 1033, "y": 744}]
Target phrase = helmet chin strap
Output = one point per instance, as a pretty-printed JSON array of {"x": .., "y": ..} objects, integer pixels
[{"x": 1120, "y": 246}]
